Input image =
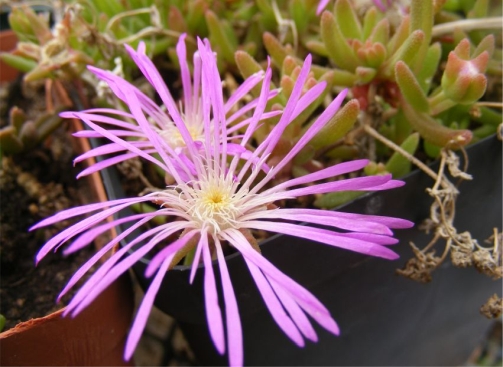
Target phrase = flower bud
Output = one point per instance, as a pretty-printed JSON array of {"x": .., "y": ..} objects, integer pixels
[{"x": 464, "y": 80}]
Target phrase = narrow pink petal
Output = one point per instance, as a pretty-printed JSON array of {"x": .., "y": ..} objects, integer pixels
[
  {"x": 240, "y": 125},
  {"x": 368, "y": 183},
  {"x": 325, "y": 236},
  {"x": 295, "y": 311},
  {"x": 95, "y": 117},
  {"x": 308, "y": 98},
  {"x": 124, "y": 143},
  {"x": 333, "y": 171},
  {"x": 84, "y": 209},
  {"x": 119, "y": 133},
  {"x": 160, "y": 145},
  {"x": 213, "y": 311},
  {"x": 304, "y": 298},
  {"x": 85, "y": 296},
  {"x": 184, "y": 69},
  {"x": 254, "y": 104},
  {"x": 274, "y": 306},
  {"x": 110, "y": 149},
  {"x": 232, "y": 319},
  {"x": 285, "y": 120},
  {"x": 87, "y": 237},
  {"x": 144, "y": 310},
  {"x": 371, "y": 237},
  {"x": 261, "y": 104},
  {"x": 94, "y": 259},
  {"x": 166, "y": 252},
  {"x": 243, "y": 90},
  {"x": 83, "y": 225},
  {"x": 195, "y": 262},
  {"x": 320, "y": 122},
  {"x": 268, "y": 145},
  {"x": 108, "y": 162},
  {"x": 152, "y": 74},
  {"x": 322, "y": 217}
]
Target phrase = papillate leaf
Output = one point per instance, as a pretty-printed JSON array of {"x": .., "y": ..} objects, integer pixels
[
  {"x": 410, "y": 88},
  {"x": 398, "y": 165}
]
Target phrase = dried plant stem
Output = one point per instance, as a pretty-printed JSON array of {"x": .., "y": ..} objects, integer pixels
[
  {"x": 467, "y": 25},
  {"x": 489, "y": 104},
  {"x": 442, "y": 181}
]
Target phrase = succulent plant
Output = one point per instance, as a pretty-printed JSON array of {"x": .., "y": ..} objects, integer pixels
[{"x": 23, "y": 133}]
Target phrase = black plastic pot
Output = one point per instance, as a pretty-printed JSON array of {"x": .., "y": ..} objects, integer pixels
[{"x": 384, "y": 319}]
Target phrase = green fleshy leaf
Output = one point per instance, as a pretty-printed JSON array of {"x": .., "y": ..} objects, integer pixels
[
  {"x": 337, "y": 47},
  {"x": 421, "y": 17},
  {"x": 196, "y": 17},
  {"x": 380, "y": 33},
  {"x": 347, "y": 20},
  {"x": 338, "y": 126},
  {"x": 300, "y": 15},
  {"x": 247, "y": 67},
  {"x": 22, "y": 64},
  {"x": 317, "y": 47},
  {"x": 431, "y": 150},
  {"x": 267, "y": 17},
  {"x": 400, "y": 36},
  {"x": 344, "y": 152},
  {"x": 410, "y": 88},
  {"x": 488, "y": 116},
  {"x": 487, "y": 44},
  {"x": 434, "y": 132},
  {"x": 484, "y": 131},
  {"x": 430, "y": 66},
  {"x": 480, "y": 9},
  {"x": 364, "y": 75},
  {"x": 219, "y": 36},
  {"x": 289, "y": 65},
  {"x": 17, "y": 118},
  {"x": 306, "y": 113},
  {"x": 407, "y": 53},
  {"x": 9, "y": 142},
  {"x": 335, "y": 199},
  {"x": 372, "y": 17},
  {"x": 39, "y": 26},
  {"x": 275, "y": 49},
  {"x": 287, "y": 84},
  {"x": 176, "y": 20},
  {"x": 398, "y": 165}
]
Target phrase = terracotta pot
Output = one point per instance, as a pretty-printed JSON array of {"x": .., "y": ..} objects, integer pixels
[
  {"x": 8, "y": 41},
  {"x": 96, "y": 337}
]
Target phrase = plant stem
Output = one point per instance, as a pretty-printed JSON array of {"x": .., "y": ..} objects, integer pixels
[
  {"x": 467, "y": 25},
  {"x": 371, "y": 131}
]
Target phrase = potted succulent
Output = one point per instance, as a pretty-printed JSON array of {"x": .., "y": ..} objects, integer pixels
[{"x": 208, "y": 147}]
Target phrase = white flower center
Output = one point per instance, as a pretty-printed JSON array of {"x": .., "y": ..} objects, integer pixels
[
  {"x": 173, "y": 137},
  {"x": 215, "y": 206}
]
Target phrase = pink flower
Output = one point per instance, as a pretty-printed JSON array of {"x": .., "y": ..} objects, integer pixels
[
  {"x": 174, "y": 126},
  {"x": 222, "y": 202}
]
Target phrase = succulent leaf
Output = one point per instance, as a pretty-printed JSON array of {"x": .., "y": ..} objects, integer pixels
[
  {"x": 410, "y": 88},
  {"x": 398, "y": 165},
  {"x": 337, "y": 47},
  {"x": 347, "y": 20}
]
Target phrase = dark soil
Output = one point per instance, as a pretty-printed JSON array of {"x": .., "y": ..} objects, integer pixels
[{"x": 33, "y": 186}]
